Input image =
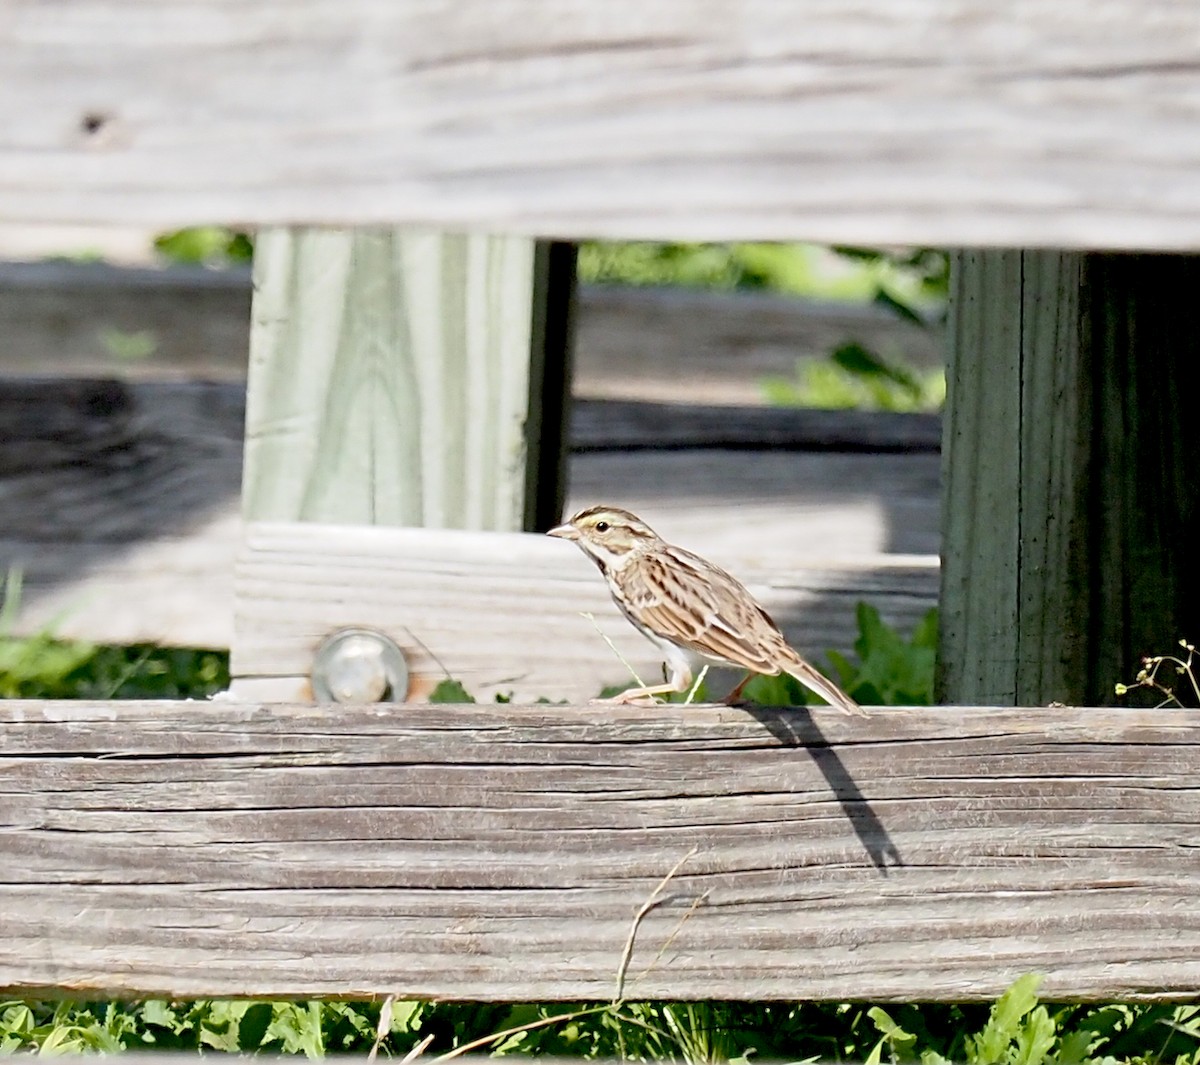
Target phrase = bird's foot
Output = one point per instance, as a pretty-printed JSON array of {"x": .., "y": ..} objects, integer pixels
[{"x": 633, "y": 697}]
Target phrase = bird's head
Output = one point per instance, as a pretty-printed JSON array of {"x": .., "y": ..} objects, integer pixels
[{"x": 610, "y": 536}]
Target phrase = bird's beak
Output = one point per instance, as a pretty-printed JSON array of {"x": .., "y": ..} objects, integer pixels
[{"x": 564, "y": 532}]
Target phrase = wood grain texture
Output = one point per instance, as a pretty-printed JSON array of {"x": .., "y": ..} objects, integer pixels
[
  {"x": 661, "y": 344},
  {"x": 625, "y": 425},
  {"x": 502, "y": 612},
  {"x": 1069, "y": 485},
  {"x": 94, "y": 319},
  {"x": 928, "y": 121},
  {"x": 703, "y": 348},
  {"x": 1143, "y": 493},
  {"x": 390, "y": 379},
  {"x": 122, "y": 512},
  {"x": 981, "y": 470},
  {"x": 120, "y": 507},
  {"x": 501, "y": 852}
]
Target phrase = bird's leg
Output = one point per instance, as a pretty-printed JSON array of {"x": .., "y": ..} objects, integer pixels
[
  {"x": 679, "y": 681},
  {"x": 732, "y": 698}
]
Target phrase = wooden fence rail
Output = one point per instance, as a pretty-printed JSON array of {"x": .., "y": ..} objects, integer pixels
[
  {"x": 122, "y": 503},
  {"x": 926, "y": 122},
  {"x": 95, "y": 319},
  {"x": 505, "y": 613},
  {"x": 502, "y": 852}
]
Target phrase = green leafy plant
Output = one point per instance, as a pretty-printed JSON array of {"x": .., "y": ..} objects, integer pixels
[
  {"x": 914, "y": 281},
  {"x": 1016, "y": 1030},
  {"x": 1019, "y": 1030},
  {"x": 206, "y": 245},
  {"x": 856, "y": 378},
  {"x": 889, "y": 671},
  {"x": 927, "y": 274},
  {"x": 450, "y": 690},
  {"x": 42, "y": 666}
]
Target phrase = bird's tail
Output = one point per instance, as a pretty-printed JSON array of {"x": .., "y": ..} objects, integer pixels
[{"x": 825, "y": 688}]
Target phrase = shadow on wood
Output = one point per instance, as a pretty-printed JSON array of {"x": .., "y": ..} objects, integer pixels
[
  {"x": 798, "y": 728},
  {"x": 122, "y": 505},
  {"x": 500, "y": 853}
]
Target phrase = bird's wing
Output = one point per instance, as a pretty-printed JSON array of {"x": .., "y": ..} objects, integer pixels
[{"x": 682, "y": 598}]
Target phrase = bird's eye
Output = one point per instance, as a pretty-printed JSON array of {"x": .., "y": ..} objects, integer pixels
[{"x": 601, "y": 526}]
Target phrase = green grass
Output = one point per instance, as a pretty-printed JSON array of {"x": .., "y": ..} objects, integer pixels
[
  {"x": 42, "y": 667},
  {"x": 45, "y": 667},
  {"x": 1016, "y": 1030}
]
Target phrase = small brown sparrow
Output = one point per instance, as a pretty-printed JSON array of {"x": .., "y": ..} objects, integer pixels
[{"x": 688, "y": 607}]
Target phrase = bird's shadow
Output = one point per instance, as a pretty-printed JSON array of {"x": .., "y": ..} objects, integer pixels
[{"x": 795, "y": 727}]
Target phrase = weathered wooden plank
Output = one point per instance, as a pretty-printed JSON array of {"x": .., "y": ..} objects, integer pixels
[
  {"x": 776, "y": 507},
  {"x": 1143, "y": 368},
  {"x": 621, "y": 425},
  {"x": 833, "y": 122},
  {"x": 502, "y": 852},
  {"x": 121, "y": 499},
  {"x": 403, "y": 378},
  {"x": 120, "y": 507},
  {"x": 503, "y": 613},
  {"x": 47, "y": 422},
  {"x": 1069, "y": 483},
  {"x": 979, "y": 481},
  {"x": 664, "y": 344},
  {"x": 718, "y": 347},
  {"x": 94, "y": 319}
]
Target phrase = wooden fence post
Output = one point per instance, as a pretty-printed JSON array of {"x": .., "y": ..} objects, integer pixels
[
  {"x": 403, "y": 377},
  {"x": 407, "y": 378},
  {"x": 1071, "y": 516}
]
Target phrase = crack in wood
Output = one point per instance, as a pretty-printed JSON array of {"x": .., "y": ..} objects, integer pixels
[{"x": 919, "y": 834}]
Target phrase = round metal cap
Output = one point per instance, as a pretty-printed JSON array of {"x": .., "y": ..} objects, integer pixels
[{"x": 359, "y": 666}]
